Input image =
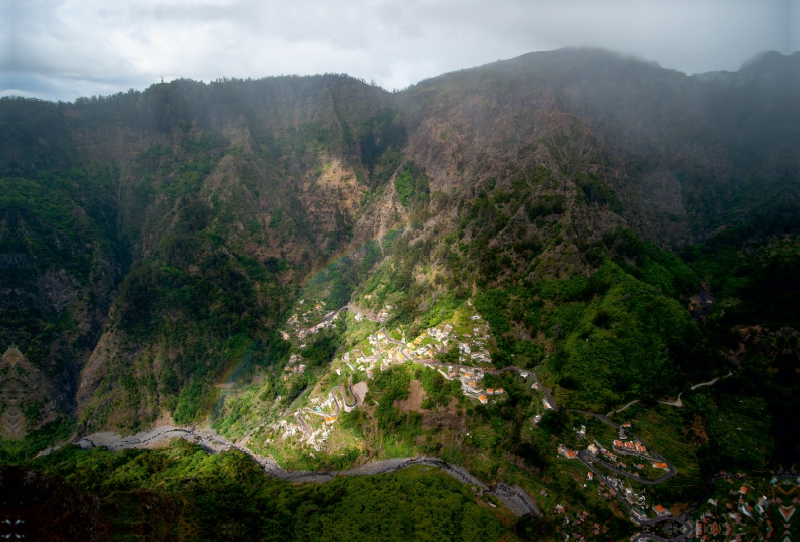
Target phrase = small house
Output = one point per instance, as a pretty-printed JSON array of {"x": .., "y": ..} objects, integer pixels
[{"x": 660, "y": 510}]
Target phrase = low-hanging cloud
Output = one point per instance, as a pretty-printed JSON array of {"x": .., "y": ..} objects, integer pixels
[{"x": 63, "y": 49}]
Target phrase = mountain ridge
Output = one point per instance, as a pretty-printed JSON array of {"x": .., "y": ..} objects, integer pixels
[{"x": 189, "y": 218}]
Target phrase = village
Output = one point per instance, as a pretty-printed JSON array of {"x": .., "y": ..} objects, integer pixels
[
  {"x": 378, "y": 351},
  {"x": 619, "y": 466}
]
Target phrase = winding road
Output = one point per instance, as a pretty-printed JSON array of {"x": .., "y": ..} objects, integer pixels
[
  {"x": 710, "y": 382},
  {"x": 513, "y": 497},
  {"x": 589, "y": 460},
  {"x": 347, "y": 407},
  {"x": 436, "y": 364}
]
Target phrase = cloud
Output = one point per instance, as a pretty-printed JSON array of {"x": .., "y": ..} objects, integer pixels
[{"x": 62, "y": 49}]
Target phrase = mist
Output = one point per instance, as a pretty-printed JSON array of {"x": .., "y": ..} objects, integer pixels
[{"x": 60, "y": 50}]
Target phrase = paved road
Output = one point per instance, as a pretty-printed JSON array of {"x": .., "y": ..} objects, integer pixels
[
  {"x": 676, "y": 403},
  {"x": 623, "y": 408},
  {"x": 513, "y": 497},
  {"x": 589, "y": 460},
  {"x": 710, "y": 382},
  {"x": 586, "y": 457},
  {"x": 393, "y": 341},
  {"x": 688, "y": 526},
  {"x": 347, "y": 407},
  {"x": 303, "y": 423},
  {"x": 435, "y": 363},
  {"x": 688, "y": 532},
  {"x": 654, "y": 456},
  {"x": 363, "y": 312},
  {"x": 349, "y": 307},
  {"x": 546, "y": 392},
  {"x": 679, "y": 404}
]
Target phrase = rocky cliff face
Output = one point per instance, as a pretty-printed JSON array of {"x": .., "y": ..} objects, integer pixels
[{"x": 152, "y": 241}]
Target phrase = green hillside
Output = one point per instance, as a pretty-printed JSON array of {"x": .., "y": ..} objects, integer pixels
[{"x": 327, "y": 274}]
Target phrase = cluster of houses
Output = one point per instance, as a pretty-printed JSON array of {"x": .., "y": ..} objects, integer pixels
[
  {"x": 469, "y": 383},
  {"x": 612, "y": 487},
  {"x": 290, "y": 370},
  {"x": 292, "y": 367},
  {"x": 478, "y": 354},
  {"x": 301, "y": 332},
  {"x": 606, "y": 492},
  {"x": 630, "y": 447},
  {"x": 580, "y": 519},
  {"x": 384, "y": 314},
  {"x": 441, "y": 334},
  {"x": 596, "y": 450},
  {"x": 316, "y": 438},
  {"x": 615, "y": 486}
]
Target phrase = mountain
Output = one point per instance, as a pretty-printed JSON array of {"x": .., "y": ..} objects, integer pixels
[{"x": 155, "y": 246}]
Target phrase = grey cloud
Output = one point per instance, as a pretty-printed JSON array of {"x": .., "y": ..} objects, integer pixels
[{"x": 65, "y": 48}]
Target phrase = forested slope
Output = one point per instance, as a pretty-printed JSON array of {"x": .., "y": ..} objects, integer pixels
[{"x": 153, "y": 244}]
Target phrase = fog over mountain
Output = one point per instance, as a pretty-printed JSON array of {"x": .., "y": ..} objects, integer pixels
[{"x": 63, "y": 49}]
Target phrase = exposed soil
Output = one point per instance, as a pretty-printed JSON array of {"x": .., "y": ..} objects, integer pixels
[
  {"x": 416, "y": 395},
  {"x": 446, "y": 417}
]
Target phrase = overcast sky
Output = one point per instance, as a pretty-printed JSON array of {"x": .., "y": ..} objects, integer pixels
[{"x": 63, "y": 49}]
